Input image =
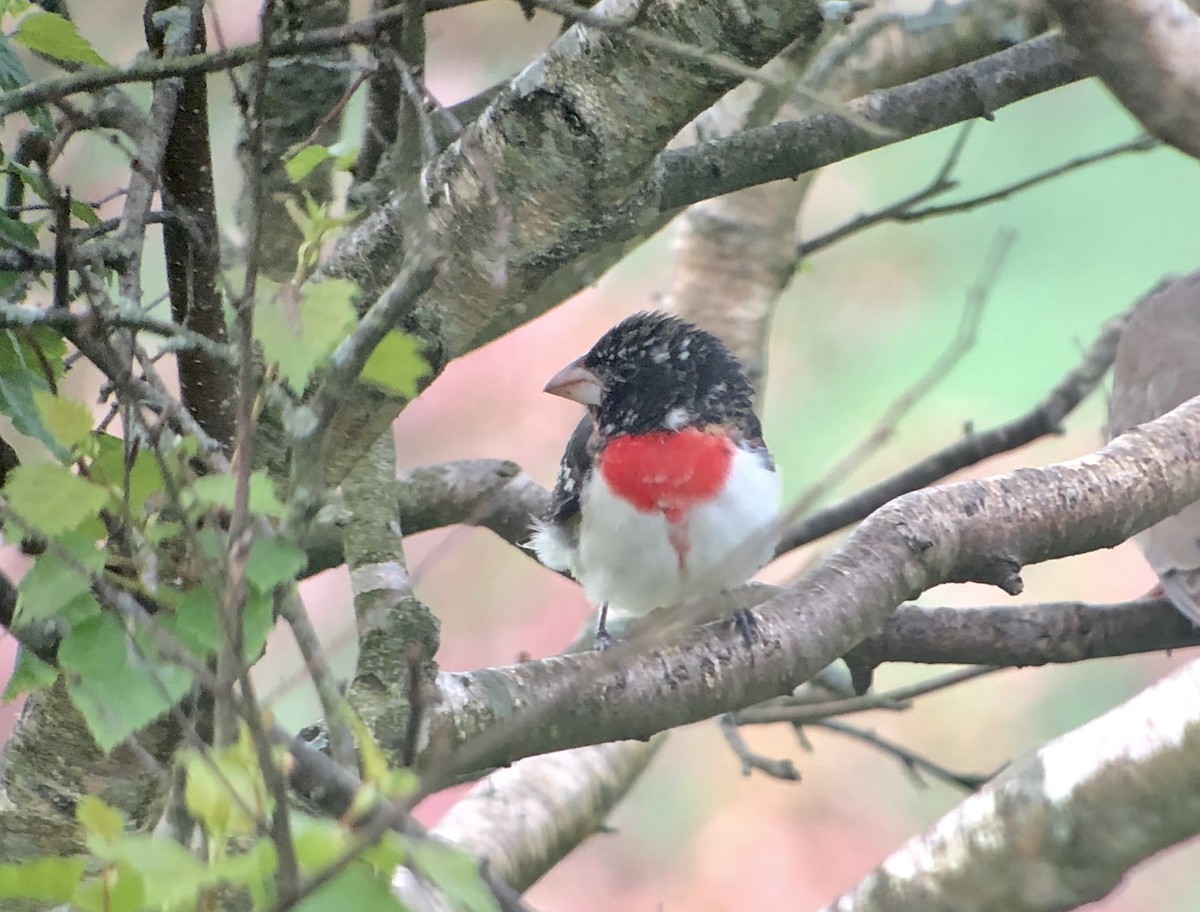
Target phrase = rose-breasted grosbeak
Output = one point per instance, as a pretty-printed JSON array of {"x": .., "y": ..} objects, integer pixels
[{"x": 666, "y": 489}]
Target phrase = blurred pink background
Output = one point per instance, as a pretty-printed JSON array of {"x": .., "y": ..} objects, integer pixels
[{"x": 860, "y": 323}]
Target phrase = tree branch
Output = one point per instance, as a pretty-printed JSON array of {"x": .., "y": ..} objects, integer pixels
[
  {"x": 1148, "y": 54},
  {"x": 983, "y": 530},
  {"x": 1044, "y": 418},
  {"x": 1060, "y": 829},
  {"x": 787, "y": 150}
]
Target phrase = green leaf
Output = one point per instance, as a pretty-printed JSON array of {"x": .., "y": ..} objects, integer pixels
[
  {"x": 54, "y": 36},
  {"x": 53, "y": 582},
  {"x": 456, "y": 874},
  {"x": 119, "y": 686},
  {"x": 300, "y": 165},
  {"x": 396, "y": 364},
  {"x": 273, "y": 561},
  {"x": 218, "y": 491},
  {"x": 30, "y": 674},
  {"x": 194, "y": 622},
  {"x": 48, "y": 879},
  {"x": 85, "y": 213},
  {"x": 298, "y": 331},
  {"x": 319, "y": 842},
  {"x": 25, "y": 357},
  {"x": 170, "y": 873},
  {"x": 14, "y": 7},
  {"x": 258, "y": 619},
  {"x": 102, "y": 823},
  {"x": 52, "y": 499},
  {"x": 108, "y": 468},
  {"x": 68, "y": 421},
  {"x": 388, "y": 853},
  {"x": 118, "y": 889},
  {"x": 14, "y": 76},
  {"x": 17, "y": 233},
  {"x": 225, "y": 788},
  {"x": 358, "y": 888}
]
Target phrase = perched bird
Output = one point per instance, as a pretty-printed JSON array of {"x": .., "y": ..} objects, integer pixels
[
  {"x": 1158, "y": 368},
  {"x": 666, "y": 489}
]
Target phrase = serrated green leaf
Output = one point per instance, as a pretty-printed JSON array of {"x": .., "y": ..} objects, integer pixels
[
  {"x": 52, "y": 499},
  {"x": 108, "y": 468},
  {"x": 298, "y": 331},
  {"x": 396, "y": 364},
  {"x": 273, "y": 561},
  {"x": 225, "y": 789},
  {"x": 218, "y": 491},
  {"x": 455, "y": 873},
  {"x": 47, "y": 879},
  {"x": 194, "y": 622},
  {"x": 300, "y": 165},
  {"x": 54, "y": 36},
  {"x": 53, "y": 582},
  {"x": 13, "y": 76},
  {"x": 69, "y": 422},
  {"x": 118, "y": 686},
  {"x": 30, "y": 674},
  {"x": 358, "y": 888}
]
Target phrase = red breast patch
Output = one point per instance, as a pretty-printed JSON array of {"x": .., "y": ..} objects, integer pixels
[{"x": 670, "y": 471}]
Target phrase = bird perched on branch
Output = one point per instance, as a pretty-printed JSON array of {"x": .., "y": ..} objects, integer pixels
[
  {"x": 666, "y": 489},
  {"x": 1158, "y": 368}
]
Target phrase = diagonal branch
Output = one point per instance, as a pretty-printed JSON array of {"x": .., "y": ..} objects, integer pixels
[
  {"x": 1148, "y": 54},
  {"x": 1060, "y": 829},
  {"x": 983, "y": 530}
]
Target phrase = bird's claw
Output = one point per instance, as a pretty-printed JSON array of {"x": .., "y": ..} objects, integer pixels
[{"x": 745, "y": 623}]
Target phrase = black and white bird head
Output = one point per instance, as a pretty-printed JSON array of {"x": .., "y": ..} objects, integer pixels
[{"x": 653, "y": 372}]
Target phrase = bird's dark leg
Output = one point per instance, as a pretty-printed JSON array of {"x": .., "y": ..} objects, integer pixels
[
  {"x": 745, "y": 623},
  {"x": 603, "y": 638}
]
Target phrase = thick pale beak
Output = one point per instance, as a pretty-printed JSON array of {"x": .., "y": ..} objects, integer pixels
[{"x": 577, "y": 383}]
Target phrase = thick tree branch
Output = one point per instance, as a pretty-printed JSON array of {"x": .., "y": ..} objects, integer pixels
[
  {"x": 191, "y": 242},
  {"x": 1148, "y": 54},
  {"x": 1060, "y": 829},
  {"x": 1050, "y": 632},
  {"x": 787, "y": 150},
  {"x": 983, "y": 530},
  {"x": 525, "y": 819},
  {"x": 513, "y": 258}
]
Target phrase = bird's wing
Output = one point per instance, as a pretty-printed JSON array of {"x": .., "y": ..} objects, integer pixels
[{"x": 577, "y": 459}]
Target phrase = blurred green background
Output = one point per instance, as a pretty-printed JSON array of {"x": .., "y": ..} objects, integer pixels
[{"x": 861, "y": 322}]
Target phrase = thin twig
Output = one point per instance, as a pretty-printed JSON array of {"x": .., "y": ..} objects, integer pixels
[
  {"x": 963, "y": 341},
  {"x": 905, "y": 210},
  {"x": 1044, "y": 418},
  {"x": 781, "y": 768},
  {"x": 783, "y": 709},
  {"x": 913, "y": 762}
]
